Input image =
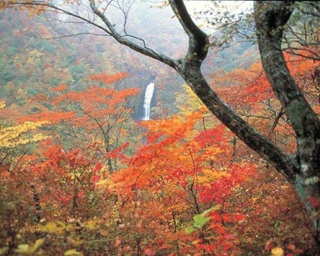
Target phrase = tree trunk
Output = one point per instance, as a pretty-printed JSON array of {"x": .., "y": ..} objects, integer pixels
[
  {"x": 270, "y": 22},
  {"x": 190, "y": 69}
]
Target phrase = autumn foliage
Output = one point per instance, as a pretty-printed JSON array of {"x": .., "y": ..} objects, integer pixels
[{"x": 89, "y": 185}]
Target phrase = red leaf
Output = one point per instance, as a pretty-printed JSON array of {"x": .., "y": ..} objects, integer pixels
[
  {"x": 315, "y": 202},
  {"x": 117, "y": 152},
  {"x": 149, "y": 252},
  {"x": 227, "y": 218},
  {"x": 95, "y": 179},
  {"x": 239, "y": 217},
  {"x": 98, "y": 167}
]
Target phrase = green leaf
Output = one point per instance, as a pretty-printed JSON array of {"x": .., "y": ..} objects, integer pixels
[
  {"x": 214, "y": 208},
  {"x": 36, "y": 245},
  {"x": 26, "y": 249},
  {"x": 72, "y": 252},
  {"x": 189, "y": 230},
  {"x": 200, "y": 220},
  {"x": 22, "y": 248}
]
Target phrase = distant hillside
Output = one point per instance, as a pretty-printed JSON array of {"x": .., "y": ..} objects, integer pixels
[{"x": 30, "y": 64}]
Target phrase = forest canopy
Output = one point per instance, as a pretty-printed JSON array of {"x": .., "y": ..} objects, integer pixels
[{"x": 227, "y": 162}]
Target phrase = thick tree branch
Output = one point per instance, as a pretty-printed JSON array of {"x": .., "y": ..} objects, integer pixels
[
  {"x": 198, "y": 40},
  {"x": 189, "y": 69},
  {"x": 270, "y": 22}
]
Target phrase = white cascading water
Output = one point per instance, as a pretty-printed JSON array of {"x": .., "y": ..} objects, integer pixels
[{"x": 147, "y": 101}]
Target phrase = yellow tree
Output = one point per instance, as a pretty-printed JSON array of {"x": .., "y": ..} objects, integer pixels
[
  {"x": 14, "y": 204},
  {"x": 13, "y": 137}
]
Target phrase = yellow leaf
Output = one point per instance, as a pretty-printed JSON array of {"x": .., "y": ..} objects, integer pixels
[
  {"x": 3, "y": 250},
  {"x": 72, "y": 252},
  {"x": 91, "y": 224},
  {"x": 36, "y": 245},
  {"x": 22, "y": 248},
  {"x": 13, "y": 136},
  {"x": 2, "y": 105},
  {"x": 50, "y": 227},
  {"x": 277, "y": 251},
  {"x": 209, "y": 175},
  {"x": 188, "y": 102}
]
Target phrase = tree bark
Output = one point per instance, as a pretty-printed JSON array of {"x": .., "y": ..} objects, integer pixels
[{"x": 270, "y": 22}]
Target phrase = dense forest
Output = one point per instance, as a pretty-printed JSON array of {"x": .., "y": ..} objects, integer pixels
[{"x": 83, "y": 174}]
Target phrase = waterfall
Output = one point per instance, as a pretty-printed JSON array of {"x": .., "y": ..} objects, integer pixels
[{"x": 147, "y": 101}]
